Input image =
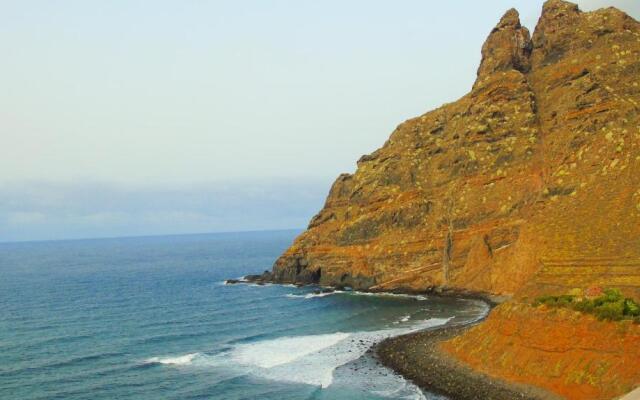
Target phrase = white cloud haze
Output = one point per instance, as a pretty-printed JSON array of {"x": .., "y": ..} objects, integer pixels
[
  {"x": 34, "y": 211},
  {"x": 268, "y": 100}
]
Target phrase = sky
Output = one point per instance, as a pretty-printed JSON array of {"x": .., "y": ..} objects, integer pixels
[{"x": 132, "y": 117}]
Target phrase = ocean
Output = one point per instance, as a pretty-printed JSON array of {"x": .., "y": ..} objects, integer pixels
[{"x": 152, "y": 318}]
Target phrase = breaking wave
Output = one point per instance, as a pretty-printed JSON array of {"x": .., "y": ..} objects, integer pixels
[
  {"x": 309, "y": 359},
  {"x": 356, "y": 293},
  {"x": 312, "y": 295},
  {"x": 186, "y": 359},
  {"x": 405, "y": 318}
]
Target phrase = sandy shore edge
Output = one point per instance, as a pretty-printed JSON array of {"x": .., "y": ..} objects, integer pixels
[{"x": 416, "y": 357}]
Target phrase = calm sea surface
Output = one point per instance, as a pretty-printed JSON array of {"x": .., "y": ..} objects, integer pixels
[{"x": 151, "y": 318}]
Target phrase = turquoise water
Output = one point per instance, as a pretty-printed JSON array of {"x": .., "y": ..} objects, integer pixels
[{"x": 151, "y": 318}]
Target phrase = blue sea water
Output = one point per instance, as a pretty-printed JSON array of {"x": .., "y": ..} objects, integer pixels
[{"x": 151, "y": 318}]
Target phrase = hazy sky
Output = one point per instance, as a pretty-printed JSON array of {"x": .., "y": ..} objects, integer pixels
[{"x": 147, "y": 117}]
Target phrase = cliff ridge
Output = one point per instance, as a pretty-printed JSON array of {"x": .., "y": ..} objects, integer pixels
[{"x": 528, "y": 183}]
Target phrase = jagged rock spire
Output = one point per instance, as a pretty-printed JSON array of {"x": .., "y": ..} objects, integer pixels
[
  {"x": 558, "y": 8},
  {"x": 555, "y": 31},
  {"x": 507, "y": 47}
]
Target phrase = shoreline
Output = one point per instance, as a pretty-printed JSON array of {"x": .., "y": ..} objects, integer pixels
[
  {"x": 416, "y": 357},
  {"x": 490, "y": 299}
]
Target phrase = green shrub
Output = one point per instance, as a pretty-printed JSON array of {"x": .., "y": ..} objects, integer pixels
[
  {"x": 555, "y": 301},
  {"x": 586, "y": 306},
  {"x": 631, "y": 308},
  {"x": 565, "y": 300},
  {"x": 611, "y": 310},
  {"x": 612, "y": 295},
  {"x": 546, "y": 300},
  {"x": 611, "y": 305},
  {"x": 599, "y": 301}
]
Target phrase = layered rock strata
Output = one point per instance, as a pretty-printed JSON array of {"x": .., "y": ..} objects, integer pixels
[{"x": 528, "y": 184}]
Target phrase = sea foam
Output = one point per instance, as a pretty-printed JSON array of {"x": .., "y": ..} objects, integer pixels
[
  {"x": 312, "y": 295},
  {"x": 355, "y": 293},
  {"x": 271, "y": 353},
  {"x": 308, "y": 359},
  {"x": 312, "y": 359},
  {"x": 186, "y": 359}
]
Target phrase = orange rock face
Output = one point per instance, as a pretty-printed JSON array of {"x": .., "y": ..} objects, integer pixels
[
  {"x": 528, "y": 185},
  {"x": 568, "y": 353}
]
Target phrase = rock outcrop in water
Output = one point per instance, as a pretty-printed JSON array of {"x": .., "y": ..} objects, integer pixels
[{"x": 529, "y": 183}]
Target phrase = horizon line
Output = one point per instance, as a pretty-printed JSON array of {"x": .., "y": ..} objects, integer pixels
[{"x": 149, "y": 236}]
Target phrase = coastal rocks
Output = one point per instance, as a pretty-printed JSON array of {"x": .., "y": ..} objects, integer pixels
[
  {"x": 294, "y": 270},
  {"x": 264, "y": 278}
]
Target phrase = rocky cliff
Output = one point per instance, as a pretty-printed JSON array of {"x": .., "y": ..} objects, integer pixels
[{"x": 528, "y": 184}]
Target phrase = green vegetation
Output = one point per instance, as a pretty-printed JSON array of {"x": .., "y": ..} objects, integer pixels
[{"x": 610, "y": 305}]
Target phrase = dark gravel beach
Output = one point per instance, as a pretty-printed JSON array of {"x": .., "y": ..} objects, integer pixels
[{"x": 416, "y": 357}]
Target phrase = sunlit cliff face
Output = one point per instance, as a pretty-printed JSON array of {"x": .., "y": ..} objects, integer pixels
[{"x": 528, "y": 183}]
